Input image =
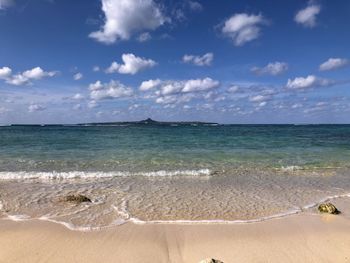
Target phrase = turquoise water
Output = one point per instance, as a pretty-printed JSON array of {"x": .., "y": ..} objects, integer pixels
[
  {"x": 170, "y": 174},
  {"x": 141, "y": 148}
]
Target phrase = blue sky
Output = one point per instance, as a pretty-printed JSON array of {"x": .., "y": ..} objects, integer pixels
[{"x": 234, "y": 62}]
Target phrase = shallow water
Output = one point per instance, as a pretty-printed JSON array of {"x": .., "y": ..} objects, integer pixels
[{"x": 186, "y": 174}]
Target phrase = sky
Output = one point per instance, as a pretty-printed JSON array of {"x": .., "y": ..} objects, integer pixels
[{"x": 227, "y": 61}]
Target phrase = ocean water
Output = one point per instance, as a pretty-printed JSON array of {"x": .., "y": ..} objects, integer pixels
[{"x": 170, "y": 174}]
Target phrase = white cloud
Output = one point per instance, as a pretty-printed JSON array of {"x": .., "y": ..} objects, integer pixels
[
  {"x": 333, "y": 63},
  {"x": 297, "y": 105},
  {"x": 195, "y": 6},
  {"x": 78, "y": 96},
  {"x": 5, "y": 4},
  {"x": 96, "y": 69},
  {"x": 144, "y": 37},
  {"x": 38, "y": 73},
  {"x": 307, "y": 16},
  {"x": 25, "y": 77},
  {"x": 187, "y": 86},
  {"x": 17, "y": 80},
  {"x": 132, "y": 65},
  {"x": 233, "y": 89},
  {"x": 195, "y": 85},
  {"x": 310, "y": 81},
  {"x": 111, "y": 90},
  {"x": 204, "y": 60},
  {"x": 36, "y": 107},
  {"x": 5, "y": 72},
  {"x": 78, "y": 76},
  {"x": 274, "y": 68},
  {"x": 178, "y": 91},
  {"x": 172, "y": 87},
  {"x": 259, "y": 98},
  {"x": 242, "y": 28},
  {"x": 126, "y": 17},
  {"x": 150, "y": 84},
  {"x": 3, "y": 110},
  {"x": 262, "y": 104},
  {"x": 92, "y": 104},
  {"x": 172, "y": 99}
]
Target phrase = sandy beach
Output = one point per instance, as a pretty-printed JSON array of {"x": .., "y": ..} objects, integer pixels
[{"x": 298, "y": 238}]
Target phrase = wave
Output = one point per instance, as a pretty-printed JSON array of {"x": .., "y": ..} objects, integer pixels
[
  {"x": 81, "y": 175},
  {"x": 125, "y": 217}
]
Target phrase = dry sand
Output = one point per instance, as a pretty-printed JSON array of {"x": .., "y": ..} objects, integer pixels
[{"x": 299, "y": 238}]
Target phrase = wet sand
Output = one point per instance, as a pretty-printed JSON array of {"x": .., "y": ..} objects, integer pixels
[{"x": 297, "y": 238}]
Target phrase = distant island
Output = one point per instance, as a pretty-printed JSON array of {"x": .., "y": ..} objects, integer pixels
[{"x": 148, "y": 121}]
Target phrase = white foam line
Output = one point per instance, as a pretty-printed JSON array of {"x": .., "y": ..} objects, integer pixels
[
  {"x": 18, "y": 218},
  {"x": 218, "y": 221},
  {"x": 79, "y": 174}
]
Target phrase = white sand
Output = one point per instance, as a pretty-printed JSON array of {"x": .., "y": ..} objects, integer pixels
[{"x": 300, "y": 238}]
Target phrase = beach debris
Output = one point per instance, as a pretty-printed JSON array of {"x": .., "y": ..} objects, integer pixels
[
  {"x": 328, "y": 208},
  {"x": 210, "y": 260},
  {"x": 76, "y": 199}
]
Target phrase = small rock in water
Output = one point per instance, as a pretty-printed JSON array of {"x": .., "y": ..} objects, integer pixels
[
  {"x": 328, "y": 208},
  {"x": 77, "y": 199},
  {"x": 210, "y": 260}
]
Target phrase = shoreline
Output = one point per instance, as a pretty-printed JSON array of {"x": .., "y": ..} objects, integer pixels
[
  {"x": 306, "y": 210},
  {"x": 298, "y": 238}
]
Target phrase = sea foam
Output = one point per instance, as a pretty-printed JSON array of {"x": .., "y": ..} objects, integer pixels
[{"x": 81, "y": 175}]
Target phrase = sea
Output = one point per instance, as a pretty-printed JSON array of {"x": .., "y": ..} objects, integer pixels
[{"x": 170, "y": 174}]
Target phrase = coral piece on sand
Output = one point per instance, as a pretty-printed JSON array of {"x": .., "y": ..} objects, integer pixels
[
  {"x": 76, "y": 199},
  {"x": 210, "y": 260},
  {"x": 328, "y": 208}
]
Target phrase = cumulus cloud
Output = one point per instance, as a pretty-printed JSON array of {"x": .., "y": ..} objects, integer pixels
[
  {"x": 242, "y": 28},
  {"x": 307, "y": 16},
  {"x": 5, "y": 72},
  {"x": 195, "y": 85},
  {"x": 144, "y": 37},
  {"x": 36, "y": 107},
  {"x": 111, "y": 90},
  {"x": 333, "y": 63},
  {"x": 178, "y": 91},
  {"x": 38, "y": 73},
  {"x": 25, "y": 77},
  {"x": 310, "y": 81},
  {"x": 150, "y": 84},
  {"x": 274, "y": 68},
  {"x": 204, "y": 60},
  {"x": 123, "y": 18},
  {"x": 132, "y": 65},
  {"x": 78, "y": 76},
  {"x": 96, "y": 69}
]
